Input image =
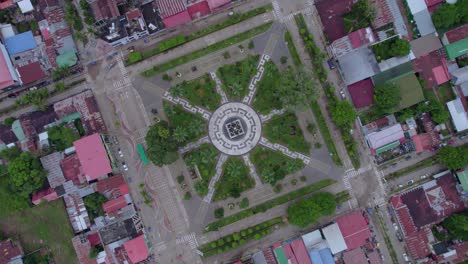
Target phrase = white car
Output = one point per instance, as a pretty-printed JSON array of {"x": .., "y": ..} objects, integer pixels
[
  {"x": 424, "y": 176},
  {"x": 120, "y": 153},
  {"x": 124, "y": 166},
  {"x": 343, "y": 94}
]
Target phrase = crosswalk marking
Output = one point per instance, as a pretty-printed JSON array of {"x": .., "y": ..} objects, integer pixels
[{"x": 191, "y": 239}]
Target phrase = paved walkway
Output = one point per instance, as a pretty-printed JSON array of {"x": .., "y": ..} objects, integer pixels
[
  {"x": 219, "y": 88},
  {"x": 194, "y": 145},
  {"x": 274, "y": 112},
  {"x": 258, "y": 76},
  {"x": 187, "y": 106},
  {"x": 252, "y": 170},
  {"x": 219, "y": 171}
]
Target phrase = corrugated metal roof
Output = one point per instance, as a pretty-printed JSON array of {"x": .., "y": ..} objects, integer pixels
[
  {"x": 457, "y": 49},
  {"x": 93, "y": 156},
  {"x": 312, "y": 238},
  {"x": 387, "y": 147},
  {"x": 51, "y": 164},
  {"x": 280, "y": 256},
  {"x": 21, "y": 42},
  {"x": 463, "y": 177},
  {"x": 458, "y": 114},
  {"x": 334, "y": 238}
]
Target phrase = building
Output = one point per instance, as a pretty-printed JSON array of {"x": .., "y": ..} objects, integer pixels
[
  {"x": 384, "y": 139},
  {"x": 355, "y": 229},
  {"x": 459, "y": 114},
  {"x": 456, "y": 41},
  {"x": 362, "y": 93},
  {"x": 93, "y": 157},
  {"x": 432, "y": 68},
  {"x": 174, "y": 13},
  {"x": 422, "y": 17},
  {"x": 424, "y": 45},
  {"x": 136, "y": 249},
  {"x": 8, "y": 74},
  {"x": 334, "y": 238},
  {"x": 12, "y": 252}
]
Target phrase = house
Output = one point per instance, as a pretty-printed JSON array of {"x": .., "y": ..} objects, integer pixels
[
  {"x": 104, "y": 9},
  {"x": 362, "y": 93},
  {"x": 173, "y": 12},
  {"x": 136, "y": 249},
  {"x": 93, "y": 157},
  {"x": 432, "y": 68},
  {"x": 459, "y": 114},
  {"x": 8, "y": 74},
  {"x": 12, "y": 252},
  {"x": 197, "y": 9},
  {"x": 422, "y": 17},
  {"x": 456, "y": 41},
  {"x": 462, "y": 177},
  {"x": 425, "y": 45},
  {"x": 385, "y": 139},
  {"x": 355, "y": 229},
  {"x": 47, "y": 195},
  {"x": 419, "y": 208},
  {"x": 334, "y": 237}
]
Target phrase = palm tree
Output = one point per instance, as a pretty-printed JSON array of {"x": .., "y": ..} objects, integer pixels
[
  {"x": 234, "y": 169},
  {"x": 180, "y": 134}
]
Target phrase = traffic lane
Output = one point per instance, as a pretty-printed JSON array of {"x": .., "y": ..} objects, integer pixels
[{"x": 410, "y": 178}]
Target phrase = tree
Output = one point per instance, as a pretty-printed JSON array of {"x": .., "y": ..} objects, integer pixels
[
  {"x": 10, "y": 154},
  {"x": 453, "y": 158},
  {"x": 309, "y": 210},
  {"x": 457, "y": 226},
  {"x": 450, "y": 15},
  {"x": 296, "y": 88},
  {"x": 219, "y": 212},
  {"x": 162, "y": 147},
  {"x": 135, "y": 57},
  {"x": 400, "y": 47},
  {"x": 343, "y": 113},
  {"x": 180, "y": 134},
  {"x": 26, "y": 174},
  {"x": 244, "y": 203},
  {"x": 93, "y": 203},
  {"x": 60, "y": 87},
  {"x": 9, "y": 121},
  {"x": 387, "y": 97},
  {"x": 201, "y": 187},
  {"x": 62, "y": 137}
]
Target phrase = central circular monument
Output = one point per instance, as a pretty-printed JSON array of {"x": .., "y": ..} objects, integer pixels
[{"x": 235, "y": 128}]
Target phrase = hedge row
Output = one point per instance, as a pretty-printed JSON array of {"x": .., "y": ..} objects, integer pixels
[
  {"x": 205, "y": 51},
  {"x": 292, "y": 49},
  {"x": 342, "y": 197},
  {"x": 234, "y": 240},
  {"x": 180, "y": 40},
  {"x": 269, "y": 204}
]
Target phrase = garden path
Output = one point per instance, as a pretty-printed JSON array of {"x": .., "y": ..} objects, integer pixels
[
  {"x": 219, "y": 170},
  {"x": 194, "y": 145},
  {"x": 187, "y": 106},
  {"x": 253, "y": 172},
  {"x": 219, "y": 89}
]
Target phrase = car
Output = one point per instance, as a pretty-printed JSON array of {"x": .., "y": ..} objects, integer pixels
[
  {"x": 424, "y": 176},
  {"x": 13, "y": 95},
  {"x": 410, "y": 182},
  {"x": 124, "y": 166},
  {"x": 34, "y": 88},
  {"x": 405, "y": 257},
  {"x": 231, "y": 13},
  {"x": 331, "y": 64},
  {"x": 395, "y": 226},
  {"x": 343, "y": 94},
  {"x": 400, "y": 185},
  {"x": 120, "y": 153}
]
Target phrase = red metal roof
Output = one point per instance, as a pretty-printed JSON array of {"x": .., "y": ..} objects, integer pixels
[
  {"x": 72, "y": 169},
  {"x": 94, "y": 239},
  {"x": 115, "y": 204},
  {"x": 31, "y": 72},
  {"x": 217, "y": 3},
  {"x": 5, "y": 77},
  {"x": 93, "y": 156},
  {"x": 104, "y": 9},
  {"x": 82, "y": 249},
  {"x": 47, "y": 194},
  {"x": 330, "y": 14},
  {"x": 354, "y": 228},
  {"x": 9, "y": 250},
  {"x": 123, "y": 189},
  {"x": 355, "y": 256},
  {"x": 289, "y": 254},
  {"x": 457, "y": 34},
  {"x": 136, "y": 249},
  {"x": 111, "y": 187},
  {"x": 300, "y": 251},
  {"x": 359, "y": 37},
  {"x": 135, "y": 13},
  {"x": 422, "y": 142},
  {"x": 362, "y": 93},
  {"x": 430, "y": 3},
  {"x": 177, "y": 19},
  {"x": 169, "y": 8},
  {"x": 6, "y": 4},
  {"x": 441, "y": 76},
  {"x": 374, "y": 257},
  {"x": 198, "y": 10},
  {"x": 417, "y": 244}
]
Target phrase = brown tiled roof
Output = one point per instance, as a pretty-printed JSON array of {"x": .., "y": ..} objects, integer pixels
[{"x": 72, "y": 170}]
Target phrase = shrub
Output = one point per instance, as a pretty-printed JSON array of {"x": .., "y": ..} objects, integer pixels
[
  {"x": 250, "y": 230},
  {"x": 283, "y": 59},
  {"x": 219, "y": 212},
  {"x": 234, "y": 244},
  {"x": 220, "y": 242},
  {"x": 9, "y": 121},
  {"x": 251, "y": 44},
  {"x": 236, "y": 236},
  {"x": 244, "y": 203},
  {"x": 303, "y": 178},
  {"x": 278, "y": 187},
  {"x": 213, "y": 245},
  {"x": 228, "y": 239},
  {"x": 226, "y": 55},
  {"x": 307, "y": 211},
  {"x": 257, "y": 236},
  {"x": 242, "y": 242},
  {"x": 243, "y": 233},
  {"x": 187, "y": 196},
  {"x": 166, "y": 77},
  {"x": 180, "y": 179},
  {"x": 60, "y": 87},
  {"x": 135, "y": 57}
]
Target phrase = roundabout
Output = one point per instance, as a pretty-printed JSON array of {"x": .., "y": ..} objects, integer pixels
[{"x": 234, "y": 129}]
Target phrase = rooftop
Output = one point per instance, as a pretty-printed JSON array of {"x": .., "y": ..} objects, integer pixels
[
  {"x": 111, "y": 187},
  {"x": 362, "y": 93},
  {"x": 10, "y": 251},
  {"x": 117, "y": 231},
  {"x": 335, "y": 238},
  {"x": 51, "y": 164},
  {"x": 424, "y": 22},
  {"x": 425, "y": 45},
  {"x": 72, "y": 169},
  {"x": 82, "y": 249},
  {"x": 93, "y": 156},
  {"x": 6, "y": 74},
  {"x": 358, "y": 65},
  {"x": 355, "y": 256},
  {"x": 457, "y": 34},
  {"x": 458, "y": 114},
  {"x": 331, "y": 13},
  {"x": 136, "y": 249},
  {"x": 115, "y": 204},
  {"x": 385, "y": 136},
  {"x": 393, "y": 73},
  {"x": 47, "y": 195},
  {"x": 31, "y": 72},
  {"x": 463, "y": 178},
  {"x": 20, "y": 43},
  {"x": 457, "y": 49},
  {"x": 354, "y": 228},
  {"x": 217, "y": 3},
  {"x": 199, "y": 9},
  {"x": 177, "y": 19}
]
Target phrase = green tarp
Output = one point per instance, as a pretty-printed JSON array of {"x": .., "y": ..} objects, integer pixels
[{"x": 67, "y": 59}]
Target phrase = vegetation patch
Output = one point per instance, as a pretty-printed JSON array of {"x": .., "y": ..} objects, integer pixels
[
  {"x": 263, "y": 207},
  {"x": 236, "y": 77},
  {"x": 201, "y": 91},
  {"x": 188, "y": 127},
  {"x": 93, "y": 204},
  {"x": 392, "y": 47},
  {"x": 180, "y": 40},
  {"x": 361, "y": 16},
  {"x": 267, "y": 96},
  {"x": 240, "y": 238},
  {"x": 207, "y": 50},
  {"x": 309, "y": 210},
  {"x": 273, "y": 166},
  {"x": 292, "y": 49},
  {"x": 44, "y": 225},
  {"x": 449, "y": 16},
  {"x": 62, "y": 137},
  {"x": 204, "y": 159},
  {"x": 285, "y": 129},
  {"x": 235, "y": 180}
]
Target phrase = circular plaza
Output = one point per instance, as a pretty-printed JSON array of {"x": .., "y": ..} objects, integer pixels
[{"x": 234, "y": 128}]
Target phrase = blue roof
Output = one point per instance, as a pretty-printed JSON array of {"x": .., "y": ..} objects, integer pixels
[
  {"x": 326, "y": 256},
  {"x": 315, "y": 257},
  {"x": 21, "y": 42}
]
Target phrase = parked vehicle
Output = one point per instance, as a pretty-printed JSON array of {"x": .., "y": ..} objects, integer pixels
[
  {"x": 424, "y": 176},
  {"x": 124, "y": 166},
  {"x": 410, "y": 182},
  {"x": 120, "y": 153}
]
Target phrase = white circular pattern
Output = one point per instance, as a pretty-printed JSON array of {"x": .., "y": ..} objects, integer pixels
[{"x": 227, "y": 115}]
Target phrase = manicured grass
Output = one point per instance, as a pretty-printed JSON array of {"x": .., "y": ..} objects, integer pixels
[
  {"x": 205, "y": 51},
  {"x": 236, "y": 77},
  {"x": 445, "y": 93},
  {"x": 292, "y": 49},
  {"x": 193, "y": 124},
  {"x": 269, "y": 204},
  {"x": 234, "y": 181},
  {"x": 201, "y": 92},
  {"x": 324, "y": 130},
  {"x": 205, "y": 159},
  {"x": 266, "y": 98},
  {"x": 46, "y": 225},
  {"x": 285, "y": 129},
  {"x": 273, "y": 166},
  {"x": 179, "y": 40}
]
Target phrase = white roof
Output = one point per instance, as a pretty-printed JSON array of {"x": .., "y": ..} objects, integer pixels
[
  {"x": 459, "y": 116},
  {"x": 25, "y": 6},
  {"x": 395, "y": 61},
  {"x": 416, "y": 5},
  {"x": 385, "y": 136},
  {"x": 7, "y": 31},
  {"x": 334, "y": 238},
  {"x": 312, "y": 238},
  {"x": 358, "y": 65},
  {"x": 424, "y": 22}
]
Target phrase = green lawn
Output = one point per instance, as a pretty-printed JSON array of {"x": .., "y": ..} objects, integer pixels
[
  {"x": 201, "y": 92},
  {"x": 234, "y": 181},
  {"x": 273, "y": 166},
  {"x": 285, "y": 129},
  {"x": 46, "y": 225},
  {"x": 193, "y": 126},
  {"x": 205, "y": 159},
  {"x": 205, "y": 51},
  {"x": 292, "y": 49},
  {"x": 266, "y": 98},
  {"x": 445, "y": 93},
  {"x": 236, "y": 77}
]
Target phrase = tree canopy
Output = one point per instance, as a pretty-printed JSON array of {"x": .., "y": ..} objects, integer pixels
[
  {"x": 343, "y": 113},
  {"x": 391, "y": 48},
  {"x": 10, "y": 154},
  {"x": 296, "y": 89},
  {"x": 387, "y": 97},
  {"x": 450, "y": 15},
  {"x": 162, "y": 146},
  {"x": 457, "y": 226},
  {"x": 308, "y": 211},
  {"x": 62, "y": 137},
  {"x": 453, "y": 158},
  {"x": 26, "y": 174},
  {"x": 93, "y": 203}
]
